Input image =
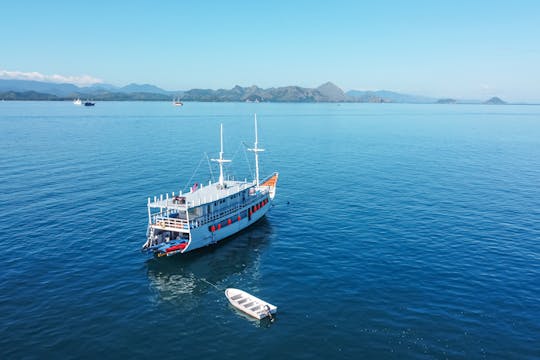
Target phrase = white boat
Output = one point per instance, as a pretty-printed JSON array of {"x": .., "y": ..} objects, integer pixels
[
  {"x": 177, "y": 102},
  {"x": 179, "y": 223},
  {"x": 249, "y": 304},
  {"x": 77, "y": 102}
]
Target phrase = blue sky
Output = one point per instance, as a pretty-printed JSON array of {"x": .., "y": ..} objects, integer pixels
[{"x": 463, "y": 49}]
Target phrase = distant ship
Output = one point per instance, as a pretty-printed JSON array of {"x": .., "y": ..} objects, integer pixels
[
  {"x": 177, "y": 102},
  {"x": 89, "y": 103},
  {"x": 77, "y": 102},
  {"x": 208, "y": 214}
]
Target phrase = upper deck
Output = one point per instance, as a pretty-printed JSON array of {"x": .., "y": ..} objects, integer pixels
[{"x": 199, "y": 196}]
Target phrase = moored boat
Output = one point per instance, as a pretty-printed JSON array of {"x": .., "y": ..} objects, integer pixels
[
  {"x": 249, "y": 304},
  {"x": 89, "y": 103},
  {"x": 207, "y": 214}
]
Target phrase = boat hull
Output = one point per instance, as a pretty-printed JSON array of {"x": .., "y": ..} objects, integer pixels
[{"x": 203, "y": 236}]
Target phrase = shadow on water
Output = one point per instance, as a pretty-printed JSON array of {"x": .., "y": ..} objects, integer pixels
[
  {"x": 260, "y": 323},
  {"x": 186, "y": 278}
]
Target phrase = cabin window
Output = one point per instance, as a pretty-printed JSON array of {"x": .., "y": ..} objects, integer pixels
[{"x": 195, "y": 212}]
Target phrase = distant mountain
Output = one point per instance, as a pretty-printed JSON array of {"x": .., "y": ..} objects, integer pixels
[
  {"x": 293, "y": 94},
  {"x": 327, "y": 92},
  {"x": 144, "y": 88},
  {"x": 26, "y": 95},
  {"x": 366, "y": 97},
  {"x": 38, "y": 90},
  {"x": 104, "y": 96},
  {"x": 495, "y": 101},
  {"x": 331, "y": 92},
  {"x": 97, "y": 88},
  {"x": 24, "y": 86},
  {"x": 446, "y": 101},
  {"x": 103, "y": 91},
  {"x": 389, "y": 96}
]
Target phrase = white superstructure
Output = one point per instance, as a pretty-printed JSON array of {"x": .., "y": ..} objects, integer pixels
[{"x": 178, "y": 223}]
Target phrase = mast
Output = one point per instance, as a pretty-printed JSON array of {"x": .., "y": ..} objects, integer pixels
[
  {"x": 221, "y": 160},
  {"x": 256, "y": 150}
]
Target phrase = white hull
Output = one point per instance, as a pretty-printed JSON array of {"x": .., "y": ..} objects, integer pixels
[{"x": 202, "y": 236}]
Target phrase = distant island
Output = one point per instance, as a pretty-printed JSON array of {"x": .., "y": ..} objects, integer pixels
[
  {"x": 446, "y": 101},
  {"x": 327, "y": 92},
  {"x": 495, "y": 101}
]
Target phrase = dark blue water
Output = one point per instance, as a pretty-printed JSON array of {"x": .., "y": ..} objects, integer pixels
[{"x": 398, "y": 231}]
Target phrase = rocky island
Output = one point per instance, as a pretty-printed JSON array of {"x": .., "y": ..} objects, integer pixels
[{"x": 495, "y": 101}]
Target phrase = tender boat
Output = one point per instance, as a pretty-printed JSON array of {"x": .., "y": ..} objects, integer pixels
[
  {"x": 179, "y": 223},
  {"x": 249, "y": 304},
  {"x": 89, "y": 103}
]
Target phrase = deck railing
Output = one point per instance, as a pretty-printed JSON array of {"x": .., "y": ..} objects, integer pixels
[
  {"x": 205, "y": 219},
  {"x": 161, "y": 220},
  {"x": 165, "y": 222}
]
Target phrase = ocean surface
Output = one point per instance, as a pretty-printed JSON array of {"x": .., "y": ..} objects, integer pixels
[{"x": 398, "y": 232}]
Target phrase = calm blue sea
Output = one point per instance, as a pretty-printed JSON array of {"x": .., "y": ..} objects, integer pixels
[{"x": 398, "y": 231}]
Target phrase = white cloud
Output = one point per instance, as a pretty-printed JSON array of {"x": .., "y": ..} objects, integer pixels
[{"x": 82, "y": 80}]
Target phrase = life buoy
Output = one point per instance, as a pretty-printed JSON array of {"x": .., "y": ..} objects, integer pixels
[
  {"x": 219, "y": 226},
  {"x": 229, "y": 222},
  {"x": 239, "y": 218},
  {"x": 212, "y": 228}
]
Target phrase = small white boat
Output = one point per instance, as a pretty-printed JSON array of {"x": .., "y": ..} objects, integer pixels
[
  {"x": 77, "y": 102},
  {"x": 177, "y": 102},
  {"x": 250, "y": 304}
]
